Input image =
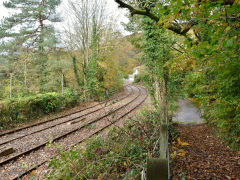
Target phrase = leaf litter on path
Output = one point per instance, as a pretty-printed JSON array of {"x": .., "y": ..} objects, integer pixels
[{"x": 198, "y": 154}]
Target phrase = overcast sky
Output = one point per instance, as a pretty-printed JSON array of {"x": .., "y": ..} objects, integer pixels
[{"x": 111, "y": 3}]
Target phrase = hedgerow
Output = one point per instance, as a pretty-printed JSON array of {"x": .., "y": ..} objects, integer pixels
[{"x": 25, "y": 109}]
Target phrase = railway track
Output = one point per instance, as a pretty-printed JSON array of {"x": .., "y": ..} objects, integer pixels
[
  {"x": 49, "y": 120},
  {"x": 15, "y": 137},
  {"x": 71, "y": 137},
  {"x": 78, "y": 117}
]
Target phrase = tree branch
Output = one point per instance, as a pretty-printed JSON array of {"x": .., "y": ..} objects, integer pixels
[
  {"x": 174, "y": 28},
  {"x": 225, "y": 2},
  {"x": 137, "y": 11},
  {"x": 177, "y": 50}
]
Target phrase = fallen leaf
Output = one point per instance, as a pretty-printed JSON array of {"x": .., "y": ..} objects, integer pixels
[
  {"x": 181, "y": 152},
  {"x": 182, "y": 143}
]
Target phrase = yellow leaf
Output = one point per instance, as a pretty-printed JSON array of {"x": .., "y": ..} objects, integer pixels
[
  {"x": 173, "y": 155},
  {"x": 228, "y": 28},
  {"x": 185, "y": 144},
  {"x": 182, "y": 143},
  {"x": 32, "y": 173},
  {"x": 149, "y": 154},
  {"x": 237, "y": 2},
  {"x": 181, "y": 152}
]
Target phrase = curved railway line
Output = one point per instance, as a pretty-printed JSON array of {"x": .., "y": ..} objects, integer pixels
[
  {"x": 108, "y": 103},
  {"x": 31, "y": 147},
  {"x": 42, "y": 122}
]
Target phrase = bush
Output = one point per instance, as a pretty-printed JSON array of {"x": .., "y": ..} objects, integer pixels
[
  {"x": 220, "y": 109},
  {"x": 126, "y": 76},
  {"x": 142, "y": 77},
  {"x": 24, "y": 109}
]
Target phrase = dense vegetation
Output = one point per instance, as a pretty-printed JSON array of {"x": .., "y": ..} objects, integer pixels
[
  {"x": 23, "y": 109},
  {"x": 120, "y": 155},
  {"x": 189, "y": 48},
  {"x": 43, "y": 61},
  {"x": 206, "y": 54}
]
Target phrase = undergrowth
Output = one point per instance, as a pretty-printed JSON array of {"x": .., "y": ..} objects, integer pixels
[{"x": 121, "y": 154}]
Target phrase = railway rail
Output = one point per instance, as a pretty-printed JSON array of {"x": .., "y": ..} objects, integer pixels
[
  {"x": 8, "y": 140},
  {"x": 49, "y": 120},
  {"x": 71, "y": 137},
  {"x": 39, "y": 145}
]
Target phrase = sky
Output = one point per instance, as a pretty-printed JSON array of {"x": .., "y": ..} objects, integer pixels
[
  {"x": 3, "y": 11},
  {"x": 111, "y": 3}
]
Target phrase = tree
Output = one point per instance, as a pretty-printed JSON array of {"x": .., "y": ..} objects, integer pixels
[
  {"x": 210, "y": 43},
  {"x": 29, "y": 29},
  {"x": 87, "y": 39},
  {"x": 208, "y": 59},
  {"x": 32, "y": 20},
  {"x": 175, "y": 15}
]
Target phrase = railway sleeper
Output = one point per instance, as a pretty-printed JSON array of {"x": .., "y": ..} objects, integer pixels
[
  {"x": 74, "y": 122},
  {"x": 6, "y": 151}
]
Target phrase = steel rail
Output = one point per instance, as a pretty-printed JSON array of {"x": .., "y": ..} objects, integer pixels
[
  {"x": 80, "y": 141},
  {"x": 65, "y": 134},
  {"x": 69, "y": 120},
  {"x": 53, "y": 119}
]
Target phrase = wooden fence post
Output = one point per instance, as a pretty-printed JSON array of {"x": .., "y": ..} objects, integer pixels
[{"x": 157, "y": 169}]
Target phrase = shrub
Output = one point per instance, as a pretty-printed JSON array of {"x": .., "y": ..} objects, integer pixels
[
  {"x": 142, "y": 77},
  {"x": 126, "y": 76},
  {"x": 25, "y": 109},
  {"x": 220, "y": 109}
]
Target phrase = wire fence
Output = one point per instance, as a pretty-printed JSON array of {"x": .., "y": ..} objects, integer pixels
[
  {"x": 15, "y": 85},
  {"x": 11, "y": 86}
]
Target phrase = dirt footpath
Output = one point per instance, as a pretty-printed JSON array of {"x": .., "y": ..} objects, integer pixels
[{"x": 197, "y": 153}]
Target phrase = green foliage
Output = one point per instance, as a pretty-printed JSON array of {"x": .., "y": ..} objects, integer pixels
[
  {"x": 126, "y": 76},
  {"x": 121, "y": 155},
  {"x": 24, "y": 109},
  {"x": 142, "y": 77},
  {"x": 27, "y": 19},
  {"x": 76, "y": 71},
  {"x": 220, "y": 109},
  {"x": 29, "y": 29},
  {"x": 214, "y": 81},
  {"x": 92, "y": 81},
  {"x": 208, "y": 65},
  {"x": 173, "y": 133},
  {"x": 207, "y": 68}
]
